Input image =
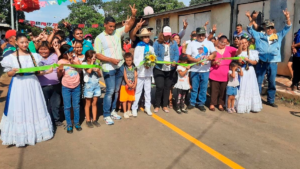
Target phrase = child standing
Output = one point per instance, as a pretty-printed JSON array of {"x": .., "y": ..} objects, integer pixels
[
  {"x": 183, "y": 84},
  {"x": 233, "y": 83},
  {"x": 144, "y": 73},
  {"x": 70, "y": 86},
  {"x": 128, "y": 85},
  {"x": 25, "y": 120},
  {"x": 91, "y": 88},
  {"x": 77, "y": 45}
]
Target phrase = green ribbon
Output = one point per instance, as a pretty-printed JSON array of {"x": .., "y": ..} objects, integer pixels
[
  {"x": 180, "y": 64},
  {"x": 42, "y": 68},
  {"x": 233, "y": 58}
]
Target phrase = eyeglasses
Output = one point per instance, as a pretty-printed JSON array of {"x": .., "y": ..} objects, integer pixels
[{"x": 271, "y": 27}]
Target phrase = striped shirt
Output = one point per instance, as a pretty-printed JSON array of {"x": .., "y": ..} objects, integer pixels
[{"x": 110, "y": 46}]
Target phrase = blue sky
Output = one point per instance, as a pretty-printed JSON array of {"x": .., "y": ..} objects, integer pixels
[{"x": 54, "y": 13}]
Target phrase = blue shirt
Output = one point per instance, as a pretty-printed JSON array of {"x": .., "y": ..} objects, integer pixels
[
  {"x": 159, "y": 50},
  {"x": 86, "y": 45},
  {"x": 268, "y": 52},
  {"x": 297, "y": 40},
  {"x": 235, "y": 34}
]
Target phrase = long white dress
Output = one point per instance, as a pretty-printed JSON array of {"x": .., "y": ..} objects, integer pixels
[
  {"x": 27, "y": 120},
  {"x": 248, "y": 97}
]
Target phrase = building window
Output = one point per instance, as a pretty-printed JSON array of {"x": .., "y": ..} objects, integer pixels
[
  {"x": 158, "y": 26},
  {"x": 166, "y": 22}
]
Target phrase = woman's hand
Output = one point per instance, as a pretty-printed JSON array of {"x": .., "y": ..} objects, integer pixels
[
  {"x": 188, "y": 67},
  {"x": 95, "y": 69},
  {"x": 246, "y": 59},
  {"x": 174, "y": 63},
  {"x": 49, "y": 71},
  {"x": 240, "y": 60},
  {"x": 61, "y": 67}
]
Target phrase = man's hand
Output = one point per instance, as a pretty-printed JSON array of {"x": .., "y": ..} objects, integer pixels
[
  {"x": 114, "y": 61},
  {"x": 287, "y": 14},
  {"x": 206, "y": 23},
  {"x": 133, "y": 10},
  {"x": 248, "y": 14},
  {"x": 126, "y": 21},
  {"x": 139, "y": 24},
  {"x": 95, "y": 69},
  {"x": 185, "y": 23},
  {"x": 294, "y": 50}
]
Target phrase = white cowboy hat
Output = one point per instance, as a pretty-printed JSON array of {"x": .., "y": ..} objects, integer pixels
[{"x": 144, "y": 32}]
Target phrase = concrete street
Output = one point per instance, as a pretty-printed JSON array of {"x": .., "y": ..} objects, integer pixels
[{"x": 269, "y": 139}]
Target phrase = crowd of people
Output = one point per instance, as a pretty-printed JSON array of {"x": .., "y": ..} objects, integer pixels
[{"x": 233, "y": 71}]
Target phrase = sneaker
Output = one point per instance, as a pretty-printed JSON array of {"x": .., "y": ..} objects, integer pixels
[
  {"x": 95, "y": 123},
  {"x": 134, "y": 113},
  {"x": 229, "y": 111},
  {"x": 115, "y": 116},
  {"x": 148, "y": 111},
  {"x": 126, "y": 116},
  {"x": 201, "y": 108},
  {"x": 58, "y": 123},
  {"x": 108, "y": 120},
  {"x": 233, "y": 110},
  {"x": 78, "y": 127},
  {"x": 272, "y": 105},
  {"x": 130, "y": 113},
  {"x": 89, "y": 124},
  {"x": 190, "y": 106},
  {"x": 178, "y": 111},
  {"x": 183, "y": 110},
  {"x": 70, "y": 129}
]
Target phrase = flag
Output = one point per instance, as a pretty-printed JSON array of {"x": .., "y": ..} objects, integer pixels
[
  {"x": 55, "y": 24},
  {"x": 21, "y": 20},
  {"x": 43, "y": 3},
  {"x": 37, "y": 23},
  {"x": 52, "y": 2},
  {"x": 95, "y": 26},
  {"x": 80, "y": 25},
  {"x": 32, "y": 23},
  {"x": 49, "y": 24},
  {"x": 43, "y": 23}
]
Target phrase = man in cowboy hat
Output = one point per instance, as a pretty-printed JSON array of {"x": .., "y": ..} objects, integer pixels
[
  {"x": 144, "y": 73},
  {"x": 268, "y": 45}
]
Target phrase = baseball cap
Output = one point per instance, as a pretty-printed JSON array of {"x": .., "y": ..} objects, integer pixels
[
  {"x": 88, "y": 35},
  {"x": 200, "y": 30},
  {"x": 10, "y": 33},
  {"x": 155, "y": 37},
  {"x": 265, "y": 21},
  {"x": 167, "y": 31}
]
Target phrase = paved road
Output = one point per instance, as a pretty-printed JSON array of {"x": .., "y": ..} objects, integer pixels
[{"x": 269, "y": 139}]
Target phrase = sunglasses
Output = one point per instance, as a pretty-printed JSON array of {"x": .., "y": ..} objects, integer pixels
[
  {"x": 271, "y": 27},
  {"x": 201, "y": 35}
]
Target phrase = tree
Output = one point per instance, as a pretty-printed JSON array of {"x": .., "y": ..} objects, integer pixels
[
  {"x": 195, "y": 2},
  {"x": 5, "y": 10},
  {"x": 119, "y": 9},
  {"x": 82, "y": 13}
]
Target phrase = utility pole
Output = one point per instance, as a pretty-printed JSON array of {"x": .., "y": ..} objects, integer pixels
[{"x": 12, "y": 15}]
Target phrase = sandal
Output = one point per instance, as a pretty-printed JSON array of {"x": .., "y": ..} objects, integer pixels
[
  {"x": 156, "y": 110},
  {"x": 212, "y": 108},
  {"x": 166, "y": 110},
  {"x": 221, "y": 108},
  {"x": 292, "y": 88}
]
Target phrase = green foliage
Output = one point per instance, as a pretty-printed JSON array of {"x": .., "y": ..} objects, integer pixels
[
  {"x": 195, "y": 2},
  {"x": 82, "y": 13},
  {"x": 5, "y": 10},
  {"x": 120, "y": 9}
]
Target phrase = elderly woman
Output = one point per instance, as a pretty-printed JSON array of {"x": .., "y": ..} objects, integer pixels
[
  {"x": 166, "y": 49},
  {"x": 219, "y": 72}
]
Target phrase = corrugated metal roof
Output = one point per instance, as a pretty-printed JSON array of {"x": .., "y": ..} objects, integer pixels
[
  {"x": 4, "y": 25},
  {"x": 216, "y": 2}
]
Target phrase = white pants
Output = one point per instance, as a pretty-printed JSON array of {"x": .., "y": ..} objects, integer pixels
[{"x": 142, "y": 82}]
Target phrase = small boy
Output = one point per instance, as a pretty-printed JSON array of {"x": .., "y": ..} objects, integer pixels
[
  {"x": 127, "y": 94},
  {"x": 233, "y": 83}
]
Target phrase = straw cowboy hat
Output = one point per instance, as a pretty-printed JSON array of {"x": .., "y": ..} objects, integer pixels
[{"x": 144, "y": 32}]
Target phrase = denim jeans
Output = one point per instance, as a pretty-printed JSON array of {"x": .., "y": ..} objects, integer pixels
[
  {"x": 52, "y": 95},
  {"x": 74, "y": 96},
  {"x": 113, "y": 80},
  {"x": 199, "y": 82},
  {"x": 271, "y": 69}
]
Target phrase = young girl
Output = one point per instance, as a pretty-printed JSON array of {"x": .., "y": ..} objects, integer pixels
[
  {"x": 50, "y": 83},
  {"x": 91, "y": 88},
  {"x": 128, "y": 85},
  {"x": 70, "y": 86},
  {"x": 183, "y": 84},
  {"x": 77, "y": 45},
  {"x": 233, "y": 83},
  {"x": 144, "y": 73},
  {"x": 25, "y": 120}
]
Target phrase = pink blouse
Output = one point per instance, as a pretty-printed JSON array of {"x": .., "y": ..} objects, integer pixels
[{"x": 220, "y": 72}]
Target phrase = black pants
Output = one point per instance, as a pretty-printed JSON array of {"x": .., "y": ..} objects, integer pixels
[
  {"x": 163, "y": 82},
  {"x": 180, "y": 99},
  {"x": 296, "y": 70}
]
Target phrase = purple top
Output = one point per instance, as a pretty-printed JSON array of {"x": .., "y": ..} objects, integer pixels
[{"x": 51, "y": 78}]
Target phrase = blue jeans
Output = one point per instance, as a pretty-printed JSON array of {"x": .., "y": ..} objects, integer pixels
[
  {"x": 74, "y": 96},
  {"x": 271, "y": 69},
  {"x": 199, "y": 82},
  {"x": 52, "y": 97},
  {"x": 113, "y": 80}
]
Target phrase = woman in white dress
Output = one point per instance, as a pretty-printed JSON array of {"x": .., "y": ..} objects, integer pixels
[
  {"x": 248, "y": 97},
  {"x": 25, "y": 120}
]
